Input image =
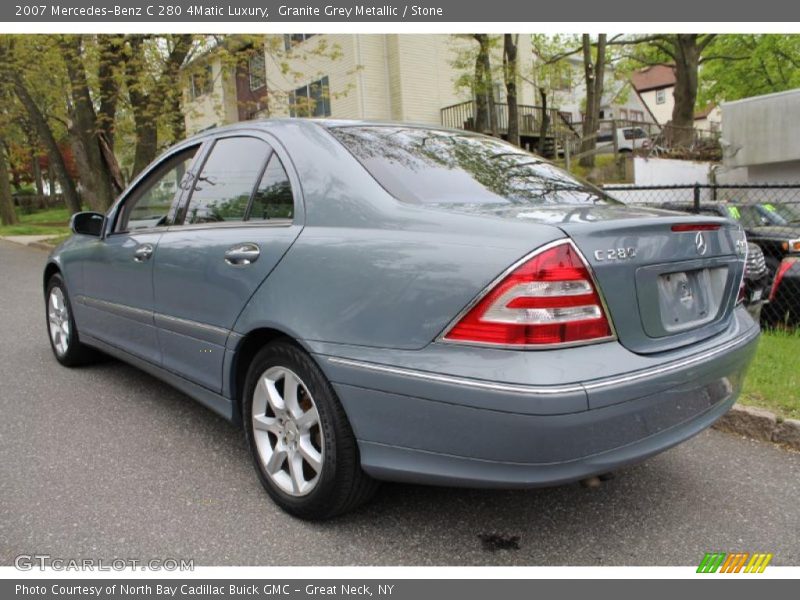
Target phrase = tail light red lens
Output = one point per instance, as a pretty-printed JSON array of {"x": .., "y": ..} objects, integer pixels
[
  {"x": 551, "y": 298},
  {"x": 696, "y": 227},
  {"x": 785, "y": 265}
]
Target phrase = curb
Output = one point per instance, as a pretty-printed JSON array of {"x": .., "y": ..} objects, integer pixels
[
  {"x": 40, "y": 246},
  {"x": 760, "y": 424}
]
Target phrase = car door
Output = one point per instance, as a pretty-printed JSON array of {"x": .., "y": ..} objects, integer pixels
[
  {"x": 117, "y": 301},
  {"x": 233, "y": 227}
]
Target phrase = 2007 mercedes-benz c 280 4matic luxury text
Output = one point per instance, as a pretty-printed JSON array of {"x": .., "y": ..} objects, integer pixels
[{"x": 393, "y": 302}]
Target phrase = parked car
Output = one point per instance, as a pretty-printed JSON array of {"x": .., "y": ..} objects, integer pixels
[
  {"x": 628, "y": 139},
  {"x": 757, "y": 281},
  {"x": 390, "y": 302},
  {"x": 784, "y": 297}
]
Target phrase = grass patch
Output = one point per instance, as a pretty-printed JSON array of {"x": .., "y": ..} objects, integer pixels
[
  {"x": 773, "y": 381},
  {"x": 53, "y": 221}
]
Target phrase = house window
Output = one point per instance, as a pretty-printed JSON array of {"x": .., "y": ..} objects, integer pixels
[
  {"x": 312, "y": 100},
  {"x": 201, "y": 82},
  {"x": 637, "y": 115},
  {"x": 623, "y": 114},
  {"x": 290, "y": 40},
  {"x": 257, "y": 71},
  {"x": 661, "y": 96}
]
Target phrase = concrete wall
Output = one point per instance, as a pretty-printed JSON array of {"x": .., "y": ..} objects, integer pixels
[
  {"x": 763, "y": 130},
  {"x": 667, "y": 171}
]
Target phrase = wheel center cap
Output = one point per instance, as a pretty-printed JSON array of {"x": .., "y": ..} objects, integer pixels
[{"x": 291, "y": 431}]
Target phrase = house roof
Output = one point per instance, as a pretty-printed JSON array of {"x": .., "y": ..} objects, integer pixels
[
  {"x": 704, "y": 112},
  {"x": 655, "y": 77}
]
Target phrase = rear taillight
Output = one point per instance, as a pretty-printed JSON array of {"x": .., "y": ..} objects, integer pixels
[
  {"x": 785, "y": 265},
  {"x": 550, "y": 298}
]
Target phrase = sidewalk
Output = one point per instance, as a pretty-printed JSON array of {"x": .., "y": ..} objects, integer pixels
[{"x": 34, "y": 241}]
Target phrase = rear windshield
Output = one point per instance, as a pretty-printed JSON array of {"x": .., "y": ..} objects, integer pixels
[{"x": 426, "y": 166}]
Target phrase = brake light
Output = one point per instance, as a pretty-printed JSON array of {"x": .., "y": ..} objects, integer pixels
[
  {"x": 696, "y": 227},
  {"x": 550, "y": 298},
  {"x": 785, "y": 265}
]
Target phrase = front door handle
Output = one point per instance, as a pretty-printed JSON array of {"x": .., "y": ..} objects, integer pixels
[
  {"x": 242, "y": 255},
  {"x": 143, "y": 252}
]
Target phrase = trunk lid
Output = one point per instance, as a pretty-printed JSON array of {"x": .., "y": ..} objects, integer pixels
[{"x": 666, "y": 283}]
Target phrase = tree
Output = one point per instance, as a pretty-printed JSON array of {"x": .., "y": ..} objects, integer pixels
[
  {"x": 510, "y": 74},
  {"x": 485, "y": 111},
  {"x": 37, "y": 99},
  {"x": 743, "y": 65},
  {"x": 594, "y": 67},
  {"x": 153, "y": 95},
  {"x": 7, "y": 214},
  {"x": 686, "y": 51}
]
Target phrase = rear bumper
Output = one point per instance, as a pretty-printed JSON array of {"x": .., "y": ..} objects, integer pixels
[{"x": 425, "y": 427}]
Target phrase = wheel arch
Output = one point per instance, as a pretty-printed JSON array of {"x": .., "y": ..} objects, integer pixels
[
  {"x": 245, "y": 351},
  {"x": 50, "y": 269}
]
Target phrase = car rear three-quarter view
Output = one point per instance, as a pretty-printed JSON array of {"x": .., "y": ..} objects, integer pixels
[{"x": 392, "y": 302}]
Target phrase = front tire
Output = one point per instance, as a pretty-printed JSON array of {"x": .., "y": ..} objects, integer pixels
[
  {"x": 302, "y": 445},
  {"x": 61, "y": 329}
]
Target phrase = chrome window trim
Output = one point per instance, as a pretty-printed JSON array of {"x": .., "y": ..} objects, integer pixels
[
  {"x": 442, "y": 336},
  {"x": 548, "y": 390}
]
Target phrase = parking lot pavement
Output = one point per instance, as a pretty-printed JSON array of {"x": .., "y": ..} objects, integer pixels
[{"x": 106, "y": 461}]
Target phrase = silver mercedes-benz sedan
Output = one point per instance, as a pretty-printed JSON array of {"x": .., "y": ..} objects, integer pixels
[{"x": 394, "y": 302}]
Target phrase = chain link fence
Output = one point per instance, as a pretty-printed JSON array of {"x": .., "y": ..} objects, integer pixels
[{"x": 770, "y": 216}]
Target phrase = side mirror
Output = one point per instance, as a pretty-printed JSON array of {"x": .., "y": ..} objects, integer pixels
[{"x": 87, "y": 223}]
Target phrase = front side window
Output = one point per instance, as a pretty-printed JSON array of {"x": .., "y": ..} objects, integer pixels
[
  {"x": 661, "y": 96},
  {"x": 226, "y": 181},
  {"x": 427, "y": 166},
  {"x": 273, "y": 198},
  {"x": 312, "y": 100},
  {"x": 150, "y": 203}
]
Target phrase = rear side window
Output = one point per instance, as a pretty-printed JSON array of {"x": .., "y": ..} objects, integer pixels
[
  {"x": 426, "y": 166},
  {"x": 223, "y": 187},
  {"x": 273, "y": 198}
]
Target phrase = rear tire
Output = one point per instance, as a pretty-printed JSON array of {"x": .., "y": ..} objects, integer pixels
[
  {"x": 303, "y": 448},
  {"x": 61, "y": 329}
]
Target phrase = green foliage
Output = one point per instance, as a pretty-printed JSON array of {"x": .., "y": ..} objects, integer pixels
[{"x": 750, "y": 65}]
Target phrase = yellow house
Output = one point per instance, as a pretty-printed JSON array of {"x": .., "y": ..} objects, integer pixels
[{"x": 398, "y": 77}]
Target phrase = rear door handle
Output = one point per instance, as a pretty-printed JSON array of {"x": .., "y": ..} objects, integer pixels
[
  {"x": 143, "y": 252},
  {"x": 242, "y": 255}
]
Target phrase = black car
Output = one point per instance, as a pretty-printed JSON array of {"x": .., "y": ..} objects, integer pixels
[{"x": 784, "y": 297}]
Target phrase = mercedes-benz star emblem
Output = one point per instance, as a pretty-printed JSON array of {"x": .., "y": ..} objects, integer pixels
[{"x": 700, "y": 243}]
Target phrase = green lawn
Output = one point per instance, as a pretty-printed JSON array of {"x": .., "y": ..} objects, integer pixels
[
  {"x": 773, "y": 381},
  {"x": 53, "y": 221}
]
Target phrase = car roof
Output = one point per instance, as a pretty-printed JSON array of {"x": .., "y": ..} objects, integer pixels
[{"x": 276, "y": 124}]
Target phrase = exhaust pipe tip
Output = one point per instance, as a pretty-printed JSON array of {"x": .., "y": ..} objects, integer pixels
[{"x": 591, "y": 483}]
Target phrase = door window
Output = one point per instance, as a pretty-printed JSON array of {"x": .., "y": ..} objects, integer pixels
[
  {"x": 273, "y": 198},
  {"x": 223, "y": 188},
  {"x": 150, "y": 203}
]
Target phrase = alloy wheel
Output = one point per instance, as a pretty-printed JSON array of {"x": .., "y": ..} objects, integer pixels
[
  {"x": 58, "y": 321},
  {"x": 287, "y": 431}
]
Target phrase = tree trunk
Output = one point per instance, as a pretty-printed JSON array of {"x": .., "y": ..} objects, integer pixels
[
  {"x": 510, "y": 73},
  {"x": 47, "y": 138},
  {"x": 96, "y": 177},
  {"x": 8, "y": 215},
  {"x": 687, "y": 64},
  {"x": 594, "y": 74},
  {"x": 485, "y": 110},
  {"x": 544, "y": 125}
]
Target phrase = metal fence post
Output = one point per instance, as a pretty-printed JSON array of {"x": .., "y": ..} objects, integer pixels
[{"x": 696, "y": 197}]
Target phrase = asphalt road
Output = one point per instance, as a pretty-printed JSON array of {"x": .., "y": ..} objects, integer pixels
[{"x": 106, "y": 461}]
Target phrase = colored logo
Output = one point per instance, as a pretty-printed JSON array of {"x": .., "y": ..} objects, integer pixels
[{"x": 736, "y": 562}]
